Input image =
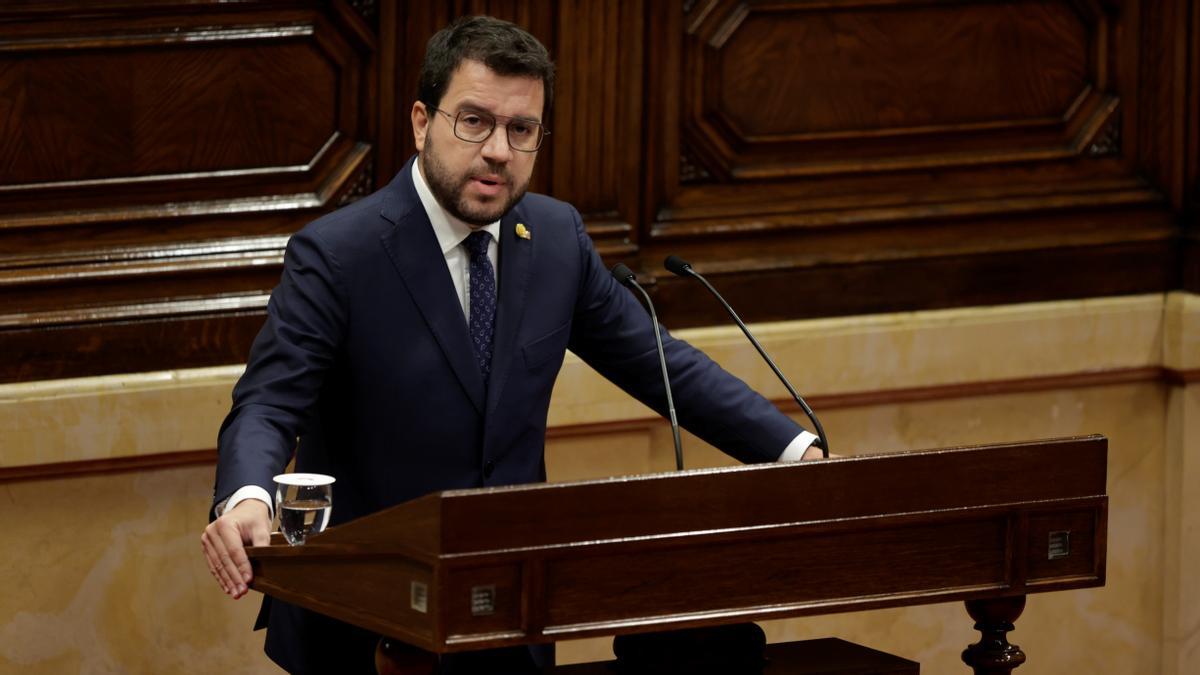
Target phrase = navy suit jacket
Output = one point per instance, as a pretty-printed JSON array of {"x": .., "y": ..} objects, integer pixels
[{"x": 365, "y": 369}]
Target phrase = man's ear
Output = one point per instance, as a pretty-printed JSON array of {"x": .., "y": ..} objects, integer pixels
[{"x": 420, "y": 124}]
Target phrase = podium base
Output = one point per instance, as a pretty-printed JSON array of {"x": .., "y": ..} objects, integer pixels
[{"x": 826, "y": 656}]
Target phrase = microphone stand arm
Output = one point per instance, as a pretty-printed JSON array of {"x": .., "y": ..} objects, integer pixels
[
  {"x": 823, "y": 441},
  {"x": 662, "y": 361}
]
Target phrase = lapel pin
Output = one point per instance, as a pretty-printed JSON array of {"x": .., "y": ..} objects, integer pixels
[{"x": 523, "y": 232}]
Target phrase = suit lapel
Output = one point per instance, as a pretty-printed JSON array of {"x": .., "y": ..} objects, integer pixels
[
  {"x": 516, "y": 256},
  {"x": 414, "y": 251}
]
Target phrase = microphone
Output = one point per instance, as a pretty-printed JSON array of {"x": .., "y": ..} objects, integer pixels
[
  {"x": 683, "y": 268},
  {"x": 624, "y": 275}
]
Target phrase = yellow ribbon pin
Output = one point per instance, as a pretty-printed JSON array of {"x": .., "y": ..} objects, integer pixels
[{"x": 523, "y": 232}]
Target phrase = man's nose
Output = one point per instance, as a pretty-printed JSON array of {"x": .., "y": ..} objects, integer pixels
[{"x": 496, "y": 147}]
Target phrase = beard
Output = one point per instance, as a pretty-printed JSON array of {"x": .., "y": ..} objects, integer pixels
[{"x": 449, "y": 189}]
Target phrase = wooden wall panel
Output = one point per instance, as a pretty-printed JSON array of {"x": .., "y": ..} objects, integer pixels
[
  {"x": 1191, "y": 248},
  {"x": 790, "y": 90},
  {"x": 816, "y": 158},
  {"x": 598, "y": 118},
  {"x": 154, "y": 158},
  {"x": 200, "y": 104},
  {"x": 844, "y": 146}
]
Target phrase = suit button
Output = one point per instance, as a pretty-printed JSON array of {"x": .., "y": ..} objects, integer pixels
[{"x": 488, "y": 467}]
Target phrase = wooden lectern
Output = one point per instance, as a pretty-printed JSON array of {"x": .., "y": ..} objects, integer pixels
[{"x": 472, "y": 569}]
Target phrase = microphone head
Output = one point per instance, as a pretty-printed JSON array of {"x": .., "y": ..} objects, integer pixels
[
  {"x": 623, "y": 274},
  {"x": 678, "y": 265}
]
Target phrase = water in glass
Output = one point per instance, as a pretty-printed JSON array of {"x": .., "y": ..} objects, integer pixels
[
  {"x": 304, "y": 502},
  {"x": 300, "y": 518}
]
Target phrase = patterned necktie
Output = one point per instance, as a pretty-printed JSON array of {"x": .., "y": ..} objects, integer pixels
[{"x": 483, "y": 299}]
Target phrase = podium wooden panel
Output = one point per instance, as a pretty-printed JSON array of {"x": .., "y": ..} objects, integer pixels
[{"x": 471, "y": 569}]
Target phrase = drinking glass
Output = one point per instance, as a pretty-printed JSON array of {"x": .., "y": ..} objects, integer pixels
[{"x": 303, "y": 502}]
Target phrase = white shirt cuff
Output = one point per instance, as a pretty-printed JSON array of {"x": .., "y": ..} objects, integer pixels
[
  {"x": 795, "y": 450},
  {"x": 252, "y": 492}
]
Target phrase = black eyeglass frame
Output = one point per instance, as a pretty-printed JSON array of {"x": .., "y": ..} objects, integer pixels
[{"x": 496, "y": 121}]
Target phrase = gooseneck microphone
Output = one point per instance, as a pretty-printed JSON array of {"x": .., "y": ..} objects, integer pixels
[
  {"x": 683, "y": 268},
  {"x": 625, "y": 275}
]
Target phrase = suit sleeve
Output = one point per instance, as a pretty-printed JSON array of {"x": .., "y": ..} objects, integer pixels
[
  {"x": 612, "y": 332},
  {"x": 306, "y": 318}
]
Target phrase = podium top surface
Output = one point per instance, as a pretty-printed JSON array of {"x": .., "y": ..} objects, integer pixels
[{"x": 704, "y": 501}]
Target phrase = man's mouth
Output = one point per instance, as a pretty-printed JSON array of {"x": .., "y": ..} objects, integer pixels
[{"x": 488, "y": 184}]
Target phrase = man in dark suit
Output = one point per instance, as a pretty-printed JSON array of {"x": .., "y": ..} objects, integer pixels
[{"x": 415, "y": 336}]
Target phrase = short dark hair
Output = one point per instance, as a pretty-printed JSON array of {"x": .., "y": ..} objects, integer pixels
[{"x": 501, "y": 46}]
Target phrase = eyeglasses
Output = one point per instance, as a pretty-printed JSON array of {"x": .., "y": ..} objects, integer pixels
[{"x": 476, "y": 126}]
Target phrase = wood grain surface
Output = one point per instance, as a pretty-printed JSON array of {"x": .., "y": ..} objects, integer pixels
[{"x": 816, "y": 159}]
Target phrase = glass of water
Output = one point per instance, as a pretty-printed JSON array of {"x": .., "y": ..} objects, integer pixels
[{"x": 303, "y": 502}]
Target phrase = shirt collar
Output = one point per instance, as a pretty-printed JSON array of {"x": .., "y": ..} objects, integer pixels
[{"x": 450, "y": 231}]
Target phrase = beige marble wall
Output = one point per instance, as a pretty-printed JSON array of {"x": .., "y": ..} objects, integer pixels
[
  {"x": 149, "y": 413},
  {"x": 1181, "y": 609},
  {"x": 104, "y": 574}
]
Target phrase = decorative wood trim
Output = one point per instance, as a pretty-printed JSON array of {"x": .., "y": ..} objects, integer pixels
[
  {"x": 592, "y": 428},
  {"x": 366, "y": 8},
  {"x": 691, "y": 170},
  {"x": 360, "y": 186},
  {"x": 168, "y": 309},
  {"x": 140, "y": 269},
  {"x": 92, "y": 467},
  {"x": 788, "y": 212},
  {"x": 1108, "y": 141},
  {"x": 1181, "y": 378},
  {"x": 81, "y": 344},
  {"x": 824, "y": 402},
  {"x": 173, "y": 35},
  {"x": 784, "y": 153},
  {"x": 795, "y": 284},
  {"x": 134, "y": 262},
  {"x": 339, "y": 49},
  {"x": 263, "y": 244},
  {"x": 941, "y": 392},
  {"x": 355, "y": 157}
]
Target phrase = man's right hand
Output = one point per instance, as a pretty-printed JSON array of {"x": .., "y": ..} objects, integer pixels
[{"x": 224, "y": 542}]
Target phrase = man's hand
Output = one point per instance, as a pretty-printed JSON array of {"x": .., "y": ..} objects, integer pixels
[{"x": 224, "y": 543}]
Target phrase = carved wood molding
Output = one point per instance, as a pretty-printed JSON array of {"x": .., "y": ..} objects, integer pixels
[
  {"x": 133, "y": 338},
  {"x": 368, "y": 9},
  {"x": 1108, "y": 141},
  {"x": 350, "y": 163},
  {"x": 777, "y": 82},
  {"x": 92, "y": 467},
  {"x": 691, "y": 170},
  {"x": 151, "y": 116},
  {"x": 796, "y": 283},
  {"x": 361, "y": 185},
  {"x": 154, "y": 161},
  {"x": 121, "y": 282},
  {"x": 813, "y": 113}
]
